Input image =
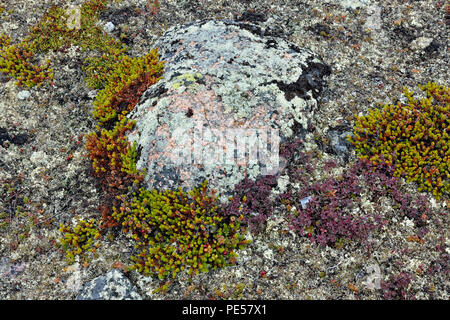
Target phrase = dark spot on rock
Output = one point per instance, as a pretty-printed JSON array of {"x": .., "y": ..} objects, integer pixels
[
  {"x": 154, "y": 92},
  {"x": 168, "y": 176},
  {"x": 404, "y": 34},
  {"x": 432, "y": 47},
  {"x": 252, "y": 28},
  {"x": 294, "y": 48},
  {"x": 270, "y": 43},
  {"x": 298, "y": 130},
  {"x": 118, "y": 16},
  {"x": 320, "y": 29},
  {"x": 310, "y": 80},
  {"x": 247, "y": 64},
  {"x": 189, "y": 113},
  {"x": 139, "y": 151},
  {"x": 85, "y": 97},
  {"x": 252, "y": 17},
  {"x": 17, "y": 139},
  {"x": 201, "y": 81}
]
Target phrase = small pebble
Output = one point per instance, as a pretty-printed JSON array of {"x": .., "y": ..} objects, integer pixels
[
  {"x": 420, "y": 43},
  {"x": 24, "y": 94},
  {"x": 109, "y": 27}
]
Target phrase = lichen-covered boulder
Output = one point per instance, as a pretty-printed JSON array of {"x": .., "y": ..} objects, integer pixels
[
  {"x": 230, "y": 95},
  {"x": 111, "y": 286}
]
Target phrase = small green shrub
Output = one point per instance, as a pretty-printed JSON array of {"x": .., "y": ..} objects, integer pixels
[
  {"x": 115, "y": 99},
  {"x": 412, "y": 136},
  {"x": 53, "y": 32},
  {"x": 175, "y": 230},
  {"x": 79, "y": 239},
  {"x": 16, "y": 62},
  {"x": 99, "y": 68}
]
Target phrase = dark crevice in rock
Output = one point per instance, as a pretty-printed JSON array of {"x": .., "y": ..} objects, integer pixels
[
  {"x": 310, "y": 80},
  {"x": 246, "y": 64},
  {"x": 17, "y": 139},
  {"x": 251, "y": 27},
  {"x": 258, "y": 31},
  {"x": 138, "y": 151},
  {"x": 298, "y": 130},
  {"x": 153, "y": 92},
  {"x": 271, "y": 43}
]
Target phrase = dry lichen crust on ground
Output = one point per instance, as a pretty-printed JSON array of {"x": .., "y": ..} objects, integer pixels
[
  {"x": 323, "y": 231},
  {"x": 221, "y": 76}
]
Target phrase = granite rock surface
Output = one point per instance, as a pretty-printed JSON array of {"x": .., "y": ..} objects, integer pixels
[
  {"x": 231, "y": 93},
  {"x": 111, "y": 286}
]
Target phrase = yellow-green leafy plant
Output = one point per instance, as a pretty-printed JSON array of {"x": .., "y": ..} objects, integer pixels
[
  {"x": 128, "y": 79},
  {"x": 17, "y": 61},
  {"x": 114, "y": 164},
  {"x": 58, "y": 28},
  {"x": 98, "y": 68},
  {"x": 79, "y": 239},
  {"x": 54, "y": 32},
  {"x": 176, "y": 231},
  {"x": 412, "y": 136}
]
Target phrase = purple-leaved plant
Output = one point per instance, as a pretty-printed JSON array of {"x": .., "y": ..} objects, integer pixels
[
  {"x": 330, "y": 210},
  {"x": 252, "y": 200},
  {"x": 327, "y": 217},
  {"x": 396, "y": 288},
  {"x": 381, "y": 182}
]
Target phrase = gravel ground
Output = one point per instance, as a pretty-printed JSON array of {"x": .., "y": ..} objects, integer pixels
[{"x": 374, "y": 48}]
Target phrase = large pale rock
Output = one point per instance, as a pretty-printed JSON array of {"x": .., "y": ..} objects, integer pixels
[
  {"x": 229, "y": 96},
  {"x": 111, "y": 286}
]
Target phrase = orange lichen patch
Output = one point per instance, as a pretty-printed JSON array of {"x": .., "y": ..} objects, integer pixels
[
  {"x": 415, "y": 239},
  {"x": 352, "y": 287}
]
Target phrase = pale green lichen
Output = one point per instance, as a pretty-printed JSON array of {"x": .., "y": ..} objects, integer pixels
[{"x": 187, "y": 80}]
